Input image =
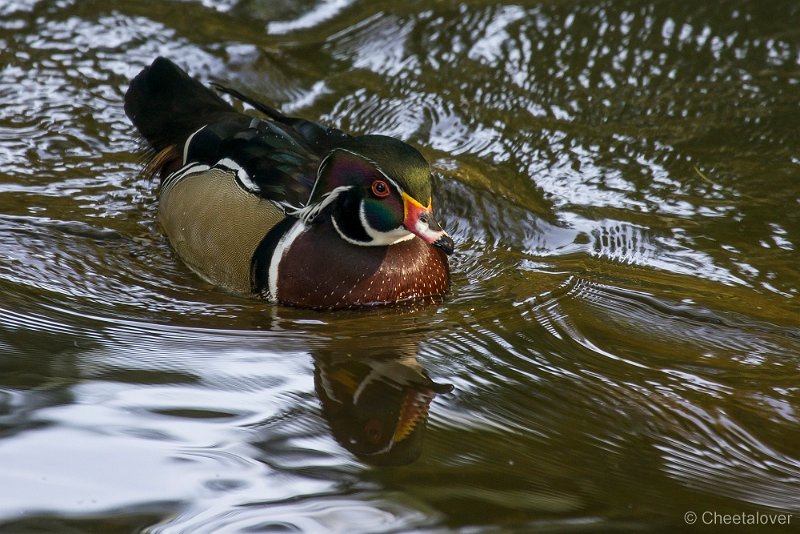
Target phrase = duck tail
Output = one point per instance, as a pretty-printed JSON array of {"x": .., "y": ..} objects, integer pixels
[{"x": 166, "y": 105}]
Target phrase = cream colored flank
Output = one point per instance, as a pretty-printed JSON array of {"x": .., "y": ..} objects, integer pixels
[{"x": 215, "y": 226}]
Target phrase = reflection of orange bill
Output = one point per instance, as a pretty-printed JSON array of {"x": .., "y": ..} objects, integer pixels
[{"x": 414, "y": 410}]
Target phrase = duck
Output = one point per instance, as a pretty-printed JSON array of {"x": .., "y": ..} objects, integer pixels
[{"x": 283, "y": 208}]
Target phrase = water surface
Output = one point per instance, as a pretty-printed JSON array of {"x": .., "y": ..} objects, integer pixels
[{"x": 621, "y": 344}]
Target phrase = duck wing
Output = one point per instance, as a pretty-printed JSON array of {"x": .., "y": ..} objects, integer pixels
[{"x": 275, "y": 157}]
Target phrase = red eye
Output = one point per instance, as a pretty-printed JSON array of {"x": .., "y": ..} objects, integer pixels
[{"x": 380, "y": 188}]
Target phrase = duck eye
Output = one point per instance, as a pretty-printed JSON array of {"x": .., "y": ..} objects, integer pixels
[{"x": 380, "y": 188}]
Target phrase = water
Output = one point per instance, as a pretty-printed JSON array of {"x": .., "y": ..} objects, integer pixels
[{"x": 621, "y": 345}]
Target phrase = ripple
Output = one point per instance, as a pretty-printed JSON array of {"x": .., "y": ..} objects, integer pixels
[
  {"x": 622, "y": 242},
  {"x": 377, "y": 43},
  {"x": 322, "y": 11},
  {"x": 718, "y": 455},
  {"x": 378, "y": 115},
  {"x": 358, "y": 513}
]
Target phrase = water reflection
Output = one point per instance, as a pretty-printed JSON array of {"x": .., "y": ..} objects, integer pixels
[
  {"x": 373, "y": 390},
  {"x": 376, "y": 406}
]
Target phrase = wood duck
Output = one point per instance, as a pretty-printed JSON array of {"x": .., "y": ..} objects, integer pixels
[{"x": 285, "y": 208}]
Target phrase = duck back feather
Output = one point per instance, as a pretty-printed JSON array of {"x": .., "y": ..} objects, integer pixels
[{"x": 167, "y": 105}]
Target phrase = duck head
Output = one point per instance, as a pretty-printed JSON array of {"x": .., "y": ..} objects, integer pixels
[{"x": 377, "y": 192}]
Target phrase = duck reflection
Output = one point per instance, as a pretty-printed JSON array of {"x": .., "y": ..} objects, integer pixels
[{"x": 377, "y": 405}]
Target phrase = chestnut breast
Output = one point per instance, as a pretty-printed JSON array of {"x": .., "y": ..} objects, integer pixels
[{"x": 321, "y": 270}]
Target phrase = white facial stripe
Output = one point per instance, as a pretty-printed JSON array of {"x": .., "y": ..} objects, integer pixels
[
  {"x": 386, "y": 176},
  {"x": 378, "y": 238},
  {"x": 283, "y": 245},
  {"x": 324, "y": 163},
  {"x": 308, "y": 213}
]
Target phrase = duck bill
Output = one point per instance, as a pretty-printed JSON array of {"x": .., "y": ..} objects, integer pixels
[{"x": 418, "y": 220}]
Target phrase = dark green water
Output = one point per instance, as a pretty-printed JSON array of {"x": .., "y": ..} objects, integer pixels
[{"x": 623, "y": 333}]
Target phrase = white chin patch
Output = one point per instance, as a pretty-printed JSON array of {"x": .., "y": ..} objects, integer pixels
[
  {"x": 424, "y": 231},
  {"x": 379, "y": 238}
]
